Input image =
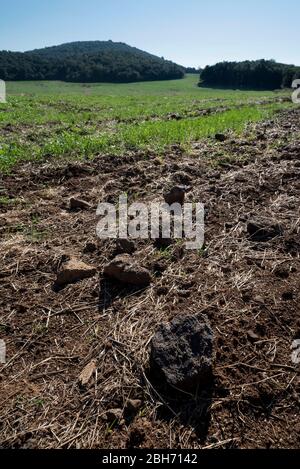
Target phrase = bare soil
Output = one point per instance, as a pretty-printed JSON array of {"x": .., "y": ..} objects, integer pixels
[{"x": 249, "y": 290}]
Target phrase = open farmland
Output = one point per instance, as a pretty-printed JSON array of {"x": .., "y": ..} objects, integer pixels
[
  {"x": 52, "y": 120},
  {"x": 93, "y": 143}
]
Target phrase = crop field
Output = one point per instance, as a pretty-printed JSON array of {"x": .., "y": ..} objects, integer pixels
[
  {"x": 47, "y": 120},
  {"x": 79, "y": 340}
]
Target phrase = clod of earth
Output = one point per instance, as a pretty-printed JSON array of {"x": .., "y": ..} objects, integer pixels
[
  {"x": 292, "y": 245},
  {"x": 126, "y": 270},
  {"x": 262, "y": 229},
  {"x": 174, "y": 116},
  {"x": 133, "y": 405},
  {"x": 125, "y": 246},
  {"x": 259, "y": 299},
  {"x": 182, "y": 178},
  {"x": 114, "y": 415},
  {"x": 288, "y": 296},
  {"x": 73, "y": 271},
  {"x": 252, "y": 336},
  {"x": 220, "y": 137},
  {"x": 176, "y": 194},
  {"x": 181, "y": 353},
  {"x": 89, "y": 248},
  {"x": 87, "y": 373},
  {"x": 282, "y": 272},
  {"x": 77, "y": 204}
]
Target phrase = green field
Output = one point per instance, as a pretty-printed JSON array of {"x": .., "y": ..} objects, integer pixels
[{"x": 47, "y": 120}]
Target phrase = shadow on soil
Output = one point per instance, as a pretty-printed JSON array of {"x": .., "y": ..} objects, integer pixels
[
  {"x": 110, "y": 291},
  {"x": 190, "y": 410}
]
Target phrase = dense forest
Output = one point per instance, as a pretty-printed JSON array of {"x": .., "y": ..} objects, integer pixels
[
  {"x": 92, "y": 61},
  {"x": 256, "y": 75}
]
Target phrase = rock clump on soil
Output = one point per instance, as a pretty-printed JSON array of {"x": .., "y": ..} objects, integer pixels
[
  {"x": 181, "y": 352},
  {"x": 73, "y": 271},
  {"x": 220, "y": 137},
  {"x": 126, "y": 270},
  {"x": 125, "y": 246},
  {"x": 176, "y": 194},
  {"x": 77, "y": 204}
]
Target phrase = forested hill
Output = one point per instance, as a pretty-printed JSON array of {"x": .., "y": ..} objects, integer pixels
[
  {"x": 256, "y": 75},
  {"x": 90, "y": 61},
  {"x": 86, "y": 47}
]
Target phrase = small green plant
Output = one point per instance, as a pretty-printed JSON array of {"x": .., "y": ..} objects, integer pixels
[
  {"x": 203, "y": 251},
  {"x": 39, "y": 329},
  {"x": 143, "y": 412},
  {"x": 38, "y": 402},
  {"x": 6, "y": 200},
  {"x": 4, "y": 328}
]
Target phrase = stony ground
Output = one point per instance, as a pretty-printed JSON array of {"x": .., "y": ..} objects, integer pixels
[{"x": 248, "y": 289}]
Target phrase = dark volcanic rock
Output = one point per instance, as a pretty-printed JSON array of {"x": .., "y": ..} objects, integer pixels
[
  {"x": 263, "y": 229},
  {"x": 181, "y": 352}
]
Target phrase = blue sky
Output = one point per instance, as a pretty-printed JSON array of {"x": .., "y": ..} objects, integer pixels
[{"x": 190, "y": 32}]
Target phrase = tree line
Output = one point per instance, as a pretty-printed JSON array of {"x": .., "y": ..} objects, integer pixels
[{"x": 256, "y": 75}]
